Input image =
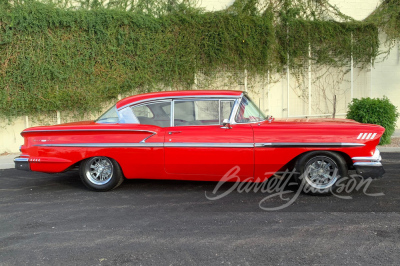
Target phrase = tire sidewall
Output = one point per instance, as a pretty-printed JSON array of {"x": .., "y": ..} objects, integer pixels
[
  {"x": 115, "y": 180},
  {"x": 300, "y": 168}
]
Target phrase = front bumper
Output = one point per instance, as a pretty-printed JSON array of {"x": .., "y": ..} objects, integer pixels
[
  {"x": 22, "y": 163},
  {"x": 369, "y": 166}
]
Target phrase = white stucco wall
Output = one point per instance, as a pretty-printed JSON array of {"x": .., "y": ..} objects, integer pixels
[
  {"x": 357, "y": 9},
  {"x": 385, "y": 77},
  {"x": 213, "y": 5}
]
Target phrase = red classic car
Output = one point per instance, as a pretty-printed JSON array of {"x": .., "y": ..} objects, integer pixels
[{"x": 201, "y": 135}]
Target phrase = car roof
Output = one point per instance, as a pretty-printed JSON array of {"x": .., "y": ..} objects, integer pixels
[{"x": 172, "y": 94}]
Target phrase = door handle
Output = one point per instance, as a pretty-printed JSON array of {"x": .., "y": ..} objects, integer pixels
[{"x": 174, "y": 132}]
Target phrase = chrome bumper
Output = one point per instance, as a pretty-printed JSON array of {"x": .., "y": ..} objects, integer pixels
[
  {"x": 369, "y": 166},
  {"x": 22, "y": 163}
]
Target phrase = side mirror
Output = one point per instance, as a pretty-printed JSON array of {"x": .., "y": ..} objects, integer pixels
[{"x": 226, "y": 124}]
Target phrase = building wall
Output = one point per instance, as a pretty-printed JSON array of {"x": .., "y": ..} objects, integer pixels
[
  {"x": 357, "y": 9},
  {"x": 385, "y": 77}
]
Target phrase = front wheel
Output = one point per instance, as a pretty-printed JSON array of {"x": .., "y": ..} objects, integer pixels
[
  {"x": 320, "y": 171},
  {"x": 100, "y": 173}
]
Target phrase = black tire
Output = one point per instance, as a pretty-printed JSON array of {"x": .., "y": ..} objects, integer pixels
[
  {"x": 100, "y": 173},
  {"x": 319, "y": 172}
]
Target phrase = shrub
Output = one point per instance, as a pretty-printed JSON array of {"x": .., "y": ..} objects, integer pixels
[{"x": 375, "y": 111}]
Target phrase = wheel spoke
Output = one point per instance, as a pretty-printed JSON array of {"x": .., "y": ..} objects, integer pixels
[
  {"x": 321, "y": 170},
  {"x": 99, "y": 170}
]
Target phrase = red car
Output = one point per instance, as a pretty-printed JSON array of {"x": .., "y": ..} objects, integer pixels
[{"x": 201, "y": 135}]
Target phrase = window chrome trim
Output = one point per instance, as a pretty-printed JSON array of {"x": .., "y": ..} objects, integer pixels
[
  {"x": 233, "y": 121},
  {"x": 219, "y": 111},
  {"x": 230, "y": 98},
  {"x": 146, "y": 103},
  {"x": 172, "y": 123},
  {"x": 235, "y": 109},
  {"x": 178, "y": 98},
  {"x": 221, "y": 119},
  {"x": 142, "y": 104}
]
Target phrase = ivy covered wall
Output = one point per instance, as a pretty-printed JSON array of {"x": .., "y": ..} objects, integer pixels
[{"x": 54, "y": 57}]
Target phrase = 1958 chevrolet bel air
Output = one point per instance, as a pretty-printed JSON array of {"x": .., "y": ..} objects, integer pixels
[{"x": 201, "y": 135}]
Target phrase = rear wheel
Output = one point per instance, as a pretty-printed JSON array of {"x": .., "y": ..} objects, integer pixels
[
  {"x": 319, "y": 172},
  {"x": 100, "y": 173}
]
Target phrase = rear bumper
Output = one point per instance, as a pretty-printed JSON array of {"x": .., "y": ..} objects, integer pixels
[
  {"x": 369, "y": 166},
  {"x": 22, "y": 163}
]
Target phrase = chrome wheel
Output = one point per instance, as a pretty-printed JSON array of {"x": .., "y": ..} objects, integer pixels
[
  {"x": 99, "y": 170},
  {"x": 321, "y": 172}
]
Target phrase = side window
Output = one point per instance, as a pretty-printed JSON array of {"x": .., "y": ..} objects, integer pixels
[
  {"x": 249, "y": 112},
  {"x": 111, "y": 116},
  {"x": 184, "y": 111},
  {"x": 143, "y": 111},
  {"x": 153, "y": 113},
  {"x": 196, "y": 112},
  {"x": 225, "y": 109}
]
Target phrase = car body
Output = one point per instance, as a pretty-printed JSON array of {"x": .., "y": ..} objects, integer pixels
[{"x": 199, "y": 135}]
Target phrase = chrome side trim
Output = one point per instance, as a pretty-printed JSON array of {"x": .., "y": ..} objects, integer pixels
[
  {"x": 368, "y": 164},
  {"x": 204, "y": 144},
  {"x": 352, "y": 144},
  {"x": 80, "y": 130},
  {"x": 374, "y": 160},
  {"x": 307, "y": 144},
  {"x": 376, "y": 157},
  {"x": 146, "y": 138},
  {"x": 103, "y": 145},
  {"x": 209, "y": 145},
  {"x": 178, "y": 97},
  {"x": 155, "y": 144},
  {"x": 19, "y": 159}
]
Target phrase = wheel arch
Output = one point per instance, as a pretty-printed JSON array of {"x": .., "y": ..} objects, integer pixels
[
  {"x": 78, "y": 163},
  {"x": 291, "y": 164}
]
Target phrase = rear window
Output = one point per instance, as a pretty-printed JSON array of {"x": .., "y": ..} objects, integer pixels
[{"x": 111, "y": 116}]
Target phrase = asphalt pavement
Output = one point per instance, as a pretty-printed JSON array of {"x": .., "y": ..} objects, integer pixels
[{"x": 54, "y": 220}]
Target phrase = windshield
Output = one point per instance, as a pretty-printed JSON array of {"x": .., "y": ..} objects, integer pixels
[
  {"x": 248, "y": 112},
  {"x": 111, "y": 116}
]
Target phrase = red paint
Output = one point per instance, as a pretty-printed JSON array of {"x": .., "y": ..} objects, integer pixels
[{"x": 192, "y": 163}]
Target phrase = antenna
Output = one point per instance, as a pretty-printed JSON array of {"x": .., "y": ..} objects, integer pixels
[{"x": 259, "y": 111}]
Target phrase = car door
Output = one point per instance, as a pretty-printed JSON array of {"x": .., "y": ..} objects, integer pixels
[{"x": 197, "y": 145}]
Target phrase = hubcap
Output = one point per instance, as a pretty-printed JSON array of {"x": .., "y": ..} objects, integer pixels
[
  {"x": 321, "y": 172},
  {"x": 99, "y": 170}
]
